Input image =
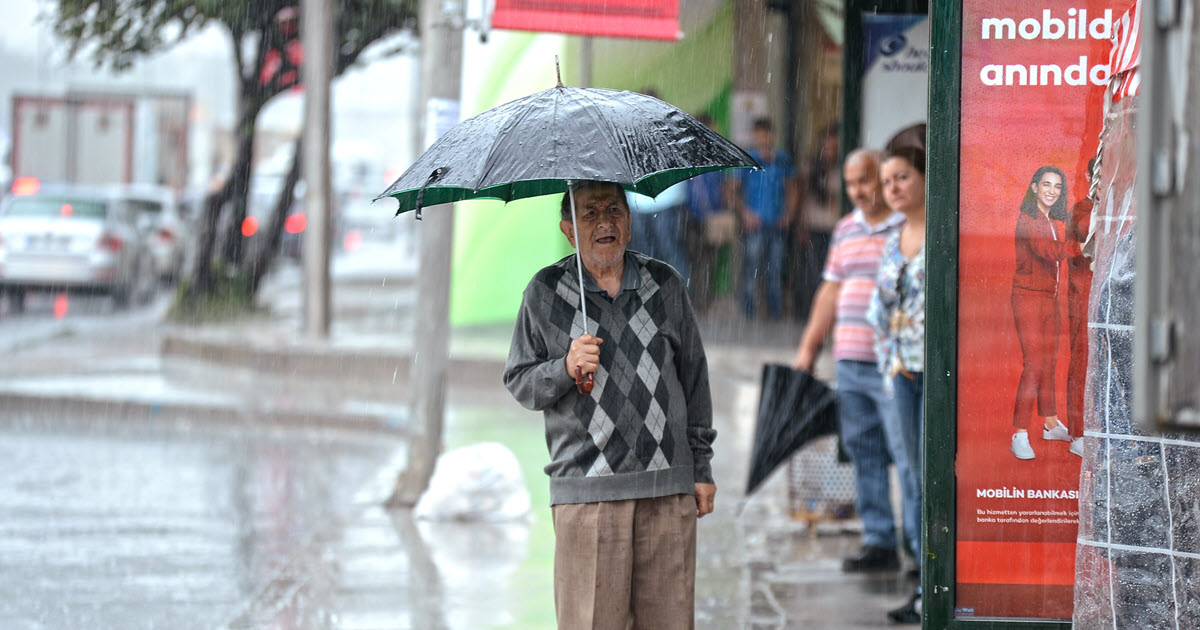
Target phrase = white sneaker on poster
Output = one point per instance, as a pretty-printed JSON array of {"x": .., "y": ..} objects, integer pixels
[
  {"x": 1021, "y": 447},
  {"x": 1058, "y": 432},
  {"x": 1077, "y": 446}
]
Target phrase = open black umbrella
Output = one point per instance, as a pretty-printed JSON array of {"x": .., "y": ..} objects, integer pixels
[
  {"x": 793, "y": 409},
  {"x": 540, "y": 144}
]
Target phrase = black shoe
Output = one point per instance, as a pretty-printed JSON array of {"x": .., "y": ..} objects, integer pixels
[
  {"x": 872, "y": 558},
  {"x": 908, "y": 613}
]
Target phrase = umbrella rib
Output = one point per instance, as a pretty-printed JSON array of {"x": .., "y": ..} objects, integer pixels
[
  {"x": 489, "y": 162},
  {"x": 660, "y": 154},
  {"x": 605, "y": 129}
]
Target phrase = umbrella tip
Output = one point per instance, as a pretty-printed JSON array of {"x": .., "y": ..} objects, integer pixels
[{"x": 558, "y": 71}]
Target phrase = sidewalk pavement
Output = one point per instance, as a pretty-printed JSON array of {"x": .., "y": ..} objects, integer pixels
[{"x": 757, "y": 568}]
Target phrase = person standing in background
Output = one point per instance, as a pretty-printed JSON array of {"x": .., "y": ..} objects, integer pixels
[
  {"x": 897, "y": 313},
  {"x": 709, "y": 225},
  {"x": 658, "y": 226},
  {"x": 763, "y": 200},
  {"x": 865, "y": 412},
  {"x": 820, "y": 209}
]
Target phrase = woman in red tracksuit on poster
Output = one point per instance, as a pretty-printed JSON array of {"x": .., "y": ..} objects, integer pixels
[{"x": 1041, "y": 246}]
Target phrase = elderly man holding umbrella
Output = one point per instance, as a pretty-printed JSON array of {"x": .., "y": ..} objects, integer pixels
[
  {"x": 628, "y": 411},
  {"x": 629, "y": 470}
]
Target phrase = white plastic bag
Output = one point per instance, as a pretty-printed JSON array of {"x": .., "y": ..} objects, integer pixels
[{"x": 481, "y": 483}]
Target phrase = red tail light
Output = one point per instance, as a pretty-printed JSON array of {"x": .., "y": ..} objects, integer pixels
[
  {"x": 111, "y": 242},
  {"x": 295, "y": 223},
  {"x": 165, "y": 234},
  {"x": 26, "y": 186}
]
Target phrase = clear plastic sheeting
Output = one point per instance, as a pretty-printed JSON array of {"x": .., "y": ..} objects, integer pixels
[{"x": 1138, "y": 558}]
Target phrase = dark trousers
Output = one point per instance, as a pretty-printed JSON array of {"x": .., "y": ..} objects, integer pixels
[
  {"x": 764, "y": 259},
  {"x": 703, "y": 258},
  {"x": 808, "y": 268},
  {"x": 1036, "y": 315}
]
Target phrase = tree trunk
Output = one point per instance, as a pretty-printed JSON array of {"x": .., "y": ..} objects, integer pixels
[
  {"x": 231, "y": 197},
  {"x": 231, "y": 245},
  {"x": 259, "y": 262},
  {"x": 236, "y": 184},
  {"x": 201, "y": 283},
  {"x": 231, "y": 248}
]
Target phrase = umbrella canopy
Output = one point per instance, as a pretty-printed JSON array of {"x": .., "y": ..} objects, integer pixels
[
  {"x": 793, "y": 409},
  {"x": 535, "y": 145},
  {"x": 540, "y": 144}
]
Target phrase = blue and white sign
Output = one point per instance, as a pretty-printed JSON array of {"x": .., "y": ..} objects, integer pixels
[{"x": 894, "y": 94}]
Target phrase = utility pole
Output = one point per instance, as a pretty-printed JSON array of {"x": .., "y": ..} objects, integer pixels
[
  {"x": 441, "y": 88},
  {"x": 749, "y": 68},
  {"x": 316, "y": 32}
]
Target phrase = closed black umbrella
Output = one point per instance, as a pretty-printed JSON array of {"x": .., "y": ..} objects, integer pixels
[{"x": 793, "y": 409}]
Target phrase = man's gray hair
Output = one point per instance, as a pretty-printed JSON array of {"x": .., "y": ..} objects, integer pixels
[
  {"x": 565, "y": 208},
  {"x": 862, "y": 153}
]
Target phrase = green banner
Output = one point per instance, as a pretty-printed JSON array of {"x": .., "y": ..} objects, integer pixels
[{"x": 498, "y": 247}]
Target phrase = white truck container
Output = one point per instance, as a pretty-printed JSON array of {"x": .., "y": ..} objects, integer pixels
[{"x": 101, "y": 138}]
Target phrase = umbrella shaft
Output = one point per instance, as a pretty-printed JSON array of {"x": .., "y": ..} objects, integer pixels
[{"x": 578, "y": 260}]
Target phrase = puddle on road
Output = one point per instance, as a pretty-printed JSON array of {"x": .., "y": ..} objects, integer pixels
[{"x": 123, "y": 529}]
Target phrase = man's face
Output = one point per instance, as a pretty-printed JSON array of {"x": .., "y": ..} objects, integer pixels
[
  {"x": 763, "y": 139},
  {"x": 829, "y": 149},
  {"x": 862, "y": 184},
  {"x": 604, "y": 225}
]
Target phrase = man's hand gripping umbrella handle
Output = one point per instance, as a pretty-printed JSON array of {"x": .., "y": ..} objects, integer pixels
[{"x": 584, "y": 383}]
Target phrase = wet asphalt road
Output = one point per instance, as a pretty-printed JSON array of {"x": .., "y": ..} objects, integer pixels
[
  {"x": 185, "y": 525},
  {"x": 127, "y": 526},
  {"x": 134, "y": 527}
]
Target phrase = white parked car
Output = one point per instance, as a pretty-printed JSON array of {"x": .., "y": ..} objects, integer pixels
[
  {"x": 166, "y": 228},
  {"x": 73, "y": 238}
]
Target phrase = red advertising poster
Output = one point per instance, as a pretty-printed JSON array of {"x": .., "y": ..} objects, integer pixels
[
  {"x": 1033, "y": 80},
  {"x": 644, "y": 19}
]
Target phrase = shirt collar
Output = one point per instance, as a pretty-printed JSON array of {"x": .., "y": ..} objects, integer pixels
[
  {"x": 630, "y": 281},
  {"x": 894, "y": 219}
]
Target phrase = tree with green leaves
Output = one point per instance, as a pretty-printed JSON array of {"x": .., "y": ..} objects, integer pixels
[{"x": 264, "y": 38}]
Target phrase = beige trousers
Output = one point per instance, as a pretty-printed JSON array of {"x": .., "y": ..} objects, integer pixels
[{"x": 626, "y": 565}]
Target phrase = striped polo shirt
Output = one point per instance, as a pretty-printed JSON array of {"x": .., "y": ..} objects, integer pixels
[{"x": 853, "y": 261}]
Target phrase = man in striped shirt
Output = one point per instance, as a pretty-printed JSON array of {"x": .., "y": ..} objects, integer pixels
[{"x": 863, "y": 407}]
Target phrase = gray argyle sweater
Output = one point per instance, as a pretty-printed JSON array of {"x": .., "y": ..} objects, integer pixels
[{"x": 646, "y": 429}]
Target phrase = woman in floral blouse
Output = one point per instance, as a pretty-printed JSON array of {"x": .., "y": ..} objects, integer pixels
[{"x": 897, "y": 312}]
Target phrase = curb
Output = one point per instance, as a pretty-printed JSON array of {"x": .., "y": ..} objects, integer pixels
[
  {"x": 96, "y": 409},
  {"x": 370, "y": 362},
  {"x": 315, "y": 361}
]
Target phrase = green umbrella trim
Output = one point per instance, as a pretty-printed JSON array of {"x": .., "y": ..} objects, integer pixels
[{"x": 651, "y": 185}]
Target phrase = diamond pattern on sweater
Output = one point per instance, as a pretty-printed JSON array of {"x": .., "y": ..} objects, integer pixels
[{"x": 625, "y": 418}]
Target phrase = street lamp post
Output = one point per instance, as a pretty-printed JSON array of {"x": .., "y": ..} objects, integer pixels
[{"x": 316, "y": 24}]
